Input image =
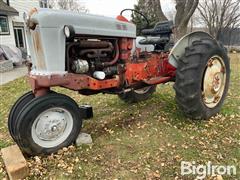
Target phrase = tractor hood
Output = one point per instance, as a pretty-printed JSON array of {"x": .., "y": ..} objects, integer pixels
[{"x": 83, "y": 23}]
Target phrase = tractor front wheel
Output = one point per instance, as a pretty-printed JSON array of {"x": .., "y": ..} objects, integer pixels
[
  {"x": 47, "y": 124},
  {"x": 137, "y": 95},
  {"x": 202, "y": 79},
  {"x": 17, "y": 107}
]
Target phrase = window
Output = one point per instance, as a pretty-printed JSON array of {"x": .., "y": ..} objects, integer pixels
[
  {"x": 4, "y": 28},
  {"x": 19, "y": 37},
  {"x": 43, "y": 3}
]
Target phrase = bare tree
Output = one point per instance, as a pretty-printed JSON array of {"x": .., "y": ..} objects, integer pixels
[
  {"x": 219, "y": 15},
  {"x": 71, "y": 5},
  {"x": 185, "y": 10}
]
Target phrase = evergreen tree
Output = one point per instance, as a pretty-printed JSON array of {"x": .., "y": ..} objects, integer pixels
[{"x": 153, "y": 12}]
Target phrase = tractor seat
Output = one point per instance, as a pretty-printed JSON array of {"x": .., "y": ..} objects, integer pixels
[
  {"x": 159, "y": 35},
  {"x": 161, "y": 29}
]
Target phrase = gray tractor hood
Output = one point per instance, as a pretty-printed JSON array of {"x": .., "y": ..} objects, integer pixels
[{"x": 84, "y": 23}]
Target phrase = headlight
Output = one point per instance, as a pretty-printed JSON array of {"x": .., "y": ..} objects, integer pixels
[{"x": 69, "y": 31}]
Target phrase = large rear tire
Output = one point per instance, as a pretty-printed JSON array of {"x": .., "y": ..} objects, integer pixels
[
  {"x": 202, "y": 79},
  {"x": 48, "y": 123},
  {"x": 138, "y": 95}
]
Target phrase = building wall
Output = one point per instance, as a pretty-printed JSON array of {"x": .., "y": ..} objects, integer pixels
[
  {"x": 8, "y": 40},
  {"x": 21, "y": 6}
]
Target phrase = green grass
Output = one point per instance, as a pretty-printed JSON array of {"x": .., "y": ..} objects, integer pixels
[{"x": 147, "y": 140}]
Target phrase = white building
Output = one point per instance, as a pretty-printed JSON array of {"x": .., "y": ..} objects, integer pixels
[{"x": 12, "y": 31}]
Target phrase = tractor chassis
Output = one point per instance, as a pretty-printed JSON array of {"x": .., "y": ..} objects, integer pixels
[{"x": 144, "y": 72}]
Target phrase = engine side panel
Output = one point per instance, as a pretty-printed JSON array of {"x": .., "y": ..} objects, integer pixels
[{"x": 47, "y": 48}]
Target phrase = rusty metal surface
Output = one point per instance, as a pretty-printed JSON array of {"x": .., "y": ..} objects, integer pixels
[
  {"x": 95, "y": 44},
  {"x": 96, "y": 53},
  {"x": 156, "y": 66},
  {"x": 31, "y": 24},
  {"x": 40, "y": 60},
  {"x": 72, "y": 81},
  {"x": 157, "y": 80},
  {"x": 155, "y": 70},
  {"x": 125, "y": 46},
  {"x": 116, "y": 58},
  {"x": 214, "y": 81}
]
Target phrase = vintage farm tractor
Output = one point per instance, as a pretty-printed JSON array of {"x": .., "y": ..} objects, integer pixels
[{"x": 94, "y": 54}]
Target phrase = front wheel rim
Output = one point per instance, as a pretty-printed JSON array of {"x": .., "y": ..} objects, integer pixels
[
  {"x": 214, "y": 81},
  {"x": 52, "y": 127}
]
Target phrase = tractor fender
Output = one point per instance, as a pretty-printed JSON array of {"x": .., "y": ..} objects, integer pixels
[{"x": 179, "y": 49}]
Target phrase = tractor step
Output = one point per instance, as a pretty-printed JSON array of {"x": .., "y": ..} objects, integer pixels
[
  {"x": 157, "y": 80},
  {"x": 86, "y": 112}
]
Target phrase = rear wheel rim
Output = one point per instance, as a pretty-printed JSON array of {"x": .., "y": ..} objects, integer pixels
[
  {"x": 214, "y": 81},
  {"x": 52, "y": 127}
]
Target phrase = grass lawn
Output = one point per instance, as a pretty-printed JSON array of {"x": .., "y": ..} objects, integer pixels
[{"x": 147, "y": 140}]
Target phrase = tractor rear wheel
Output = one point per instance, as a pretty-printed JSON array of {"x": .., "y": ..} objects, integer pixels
[
  {"x": 202, "y": 79},
  {"x": 47, "y": 124},
  {"x": 138, "y": 95}
]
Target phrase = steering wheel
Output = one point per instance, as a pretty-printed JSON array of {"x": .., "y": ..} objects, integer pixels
[{"x": 133, "y": 10}]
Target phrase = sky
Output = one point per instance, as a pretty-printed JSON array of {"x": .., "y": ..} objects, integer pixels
[{"x": 112, "y": 8}]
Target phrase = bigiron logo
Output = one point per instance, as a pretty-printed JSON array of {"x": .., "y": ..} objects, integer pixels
[{"x": 202, "y": 171}]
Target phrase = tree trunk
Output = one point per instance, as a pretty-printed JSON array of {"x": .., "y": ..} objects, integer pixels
[
  {"x": 185, "y": 10},
  {"x": 181, "y": 31},
  {"x": 158, "y": 9}
]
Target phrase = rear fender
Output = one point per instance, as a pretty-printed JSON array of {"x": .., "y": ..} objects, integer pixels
[{"x": 179, "y": 49}]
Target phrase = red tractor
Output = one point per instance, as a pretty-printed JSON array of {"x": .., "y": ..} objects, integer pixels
[{"x": 95, "y": 54}]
